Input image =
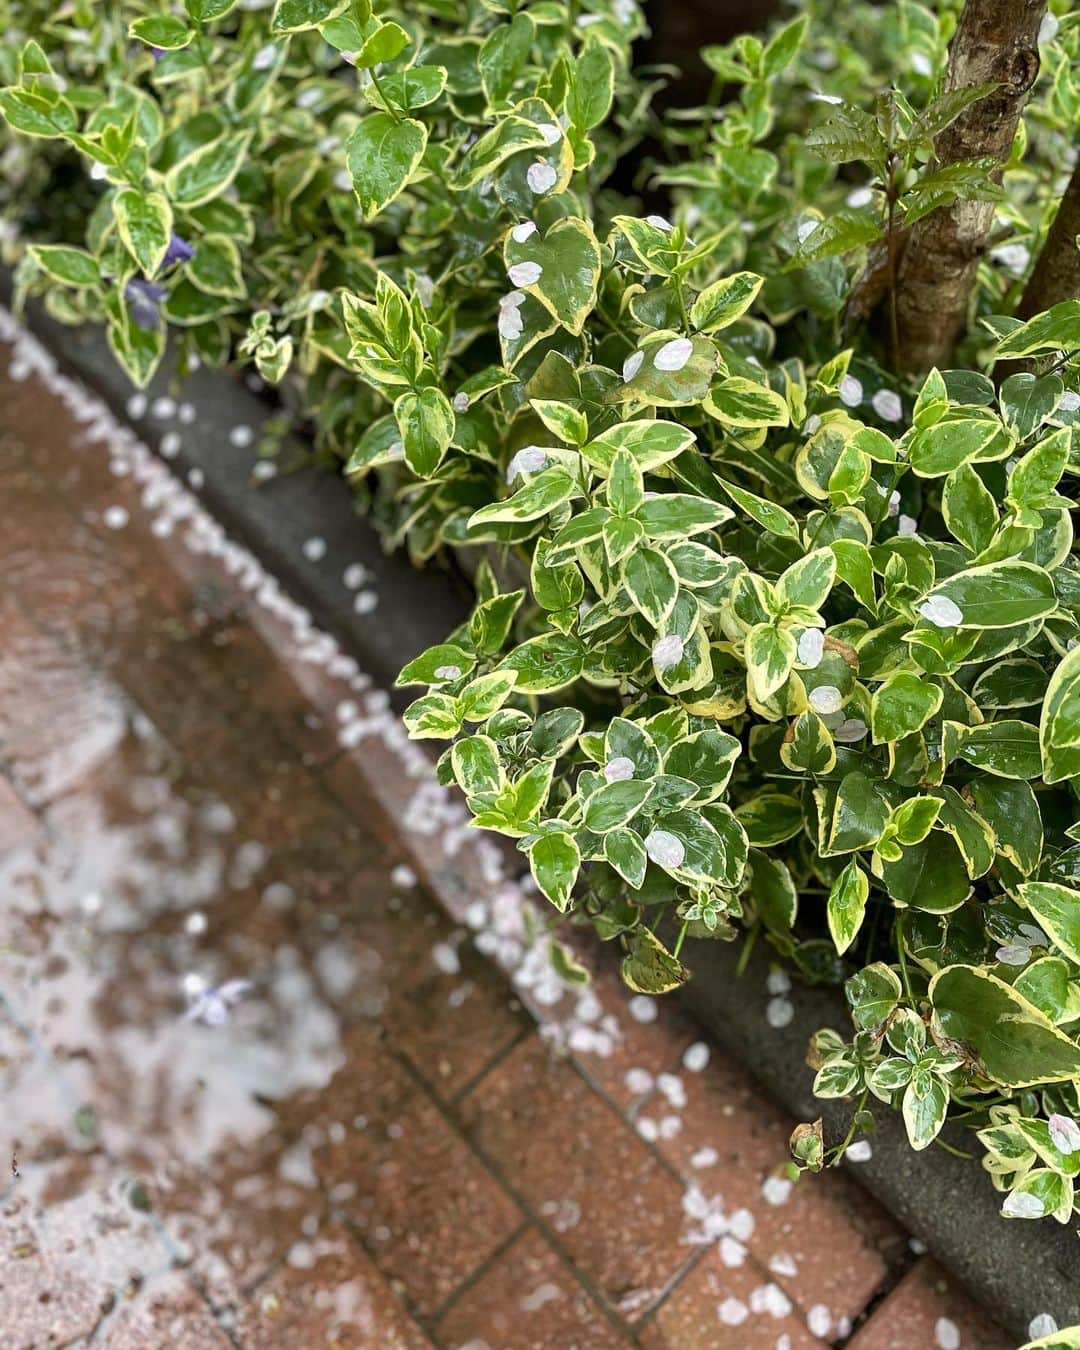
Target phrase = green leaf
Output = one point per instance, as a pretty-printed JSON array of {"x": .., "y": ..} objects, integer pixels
[
  {"x": 476, "y": 764},
  {"x": 503, "y": 55},
  {"x": 649, "y": 443},
  {"x": 764, "y": 513},
  {"x": 848, "y": 134},
  {"x": 38, "y": 113},
  {"x": 670, "y": 374},
  {"x": 387, "y": 42},
  {"x": 736, "y": 402},
  {"x": 426, "y": 424},
  {"x": 162, "y": 30},
  {"x": 1009, "y": 748},
  {"x": 808, "y": 747},
  {"x": 208, "y": 171},
  {"x": 930, "y": 876},
  {"x": 216, "y": 267},
  {"x": 615, "y": 804},
  {"x": 554, "y": 861},
  {"x": 705, "y": 759},
  {"x": 924, "y": 1113},
  {"x": 770, "y": 656},
  {"x": 561, "y": 269},
  {"x": 592, "y": 84},
  {"x": 859, "y": 815},
  {"x": 486, "y": 695},
  {"x": 847, "y": 905},
  {"x": 807, "y": 582},
  {"x": 872, "y": 995},
  {"x": 292, "y": 16},
  {"x": 1057, "y": 909},
  {"x": 724, "y": 301},
  {"x": 648, "y": 967},
  {"x": 625, "y": 852},
  {"x": 652, "y": 584},
  {"x": 968, "y": 180},
  {"x": 938, "y": 449},
  {"x": 539, "y": 496},
  {"x": 72, "y": 266},
  {"x": 999, "y": 595},
  {"x": 968, "y": 505},
  {"x": 1057, "y": 329},
  {"x": 1017, "y": 1045},
  {"x": 443, "y": 663},
  {"x": 783, "y": 46},
  {"x": 944, "y": 110},
  {"x": 838, "y": 233},
  {"x": 677, "y": 515},
  {"x": 382, "y": 153},
  {"x": 904, "y": 703},
  {"x": 432, "y": 717},
  {"x": 1059, "y": 725},
  {"x": 409, "y": 89},
  {"x": 1011, "y": 809},
  {"x": 567, "y": 423},
  {"x": 1028, "y": 400},
  {"x": 144, "y": 223},
  {"x": 774, "y": 893},
  {"x": 546, "y": 663},
  {"x": 206, "y": 11}
]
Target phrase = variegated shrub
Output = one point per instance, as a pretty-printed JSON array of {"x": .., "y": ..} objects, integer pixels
[{"x": 767, "y": 639}]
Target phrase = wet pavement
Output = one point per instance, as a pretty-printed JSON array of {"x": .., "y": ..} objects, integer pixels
[{"x": 259, "y": 1089}]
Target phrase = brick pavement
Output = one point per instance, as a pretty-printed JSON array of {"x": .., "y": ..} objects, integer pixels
[{"x": 388, "y": 1140}]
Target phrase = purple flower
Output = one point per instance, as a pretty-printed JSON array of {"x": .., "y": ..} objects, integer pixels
[
  {"x": 179, "y": 251},
  {"x": 157, "y": 53},
  {"x": 143, "y": 299}
]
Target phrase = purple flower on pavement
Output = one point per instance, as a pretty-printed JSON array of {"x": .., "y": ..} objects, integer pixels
[
  {"x": 179, "y": 251},
  {"x": 211, "y": 1006},
  {"x": 143, "y": 301}
]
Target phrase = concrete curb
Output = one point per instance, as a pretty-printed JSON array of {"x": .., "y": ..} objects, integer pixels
[{"x": 1015, "y": 1269}]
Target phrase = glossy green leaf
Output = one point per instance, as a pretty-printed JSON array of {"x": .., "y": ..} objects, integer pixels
[
  {"x": 1015, "y": 1044},
  {"x": 383, "y": 152}
]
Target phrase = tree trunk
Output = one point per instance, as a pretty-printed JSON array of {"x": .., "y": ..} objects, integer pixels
[
  {"x": 996, "y": 40},
  {"x": 1057, "y": 272}
]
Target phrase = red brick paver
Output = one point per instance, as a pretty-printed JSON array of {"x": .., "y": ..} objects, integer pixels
[
  {"x": 528, "y": 1299},
  {"x": 928, "y": 1308},
  {"x": 373, "y": 1144}
]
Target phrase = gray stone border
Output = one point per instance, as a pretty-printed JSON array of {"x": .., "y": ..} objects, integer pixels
[{"x": 1015, "y": 1269}]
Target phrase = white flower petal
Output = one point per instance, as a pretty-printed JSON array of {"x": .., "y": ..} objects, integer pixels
[
  {"x": 618, "y": 769},
  {"x": 673, "y": 355},
  {"x": 941, "y": 611},
  {"x": 523, "y": 232},
  {"x": 525, "y": 273},
  {"x": 632, "y": 365},
  {"x": 541, "y": 177},
  {"x": 1023, "y": 1205},
  {"x": 665, "y": 848},
  {"x": 668, "y": 651},
  {"x": 530, "y": 459},
  {"x": 851, "y": 391},
  {"x": 1064, "y": 1133},
  {"x": 826, "y": 698},
  {"x": 887, "y": 405},
  {"x": 811, "y": 647}
]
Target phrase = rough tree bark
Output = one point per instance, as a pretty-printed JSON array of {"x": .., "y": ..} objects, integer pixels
[
  {"x": 995, "y": 40},
  {"x": 1056, "y": 275}
]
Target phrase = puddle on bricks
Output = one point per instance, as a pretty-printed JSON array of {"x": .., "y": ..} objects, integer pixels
[{"x": 200, "y": 945}]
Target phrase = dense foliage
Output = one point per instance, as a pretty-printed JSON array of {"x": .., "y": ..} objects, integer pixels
[{"x": 766, "y": 637}]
